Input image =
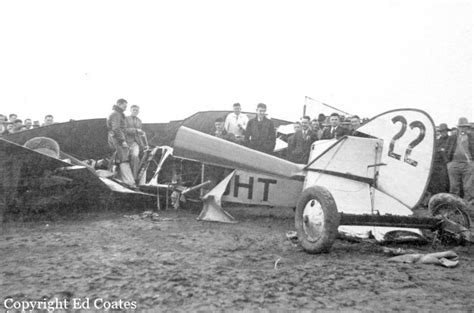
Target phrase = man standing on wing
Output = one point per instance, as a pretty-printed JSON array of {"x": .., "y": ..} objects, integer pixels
[
  {"x": 134, "y": 138},
  {"x": 260, "y": 133},
  {"x": 116, "y": 139}
]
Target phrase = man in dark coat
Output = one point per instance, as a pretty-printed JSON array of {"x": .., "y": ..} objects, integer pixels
[
  {"x": 439, "y": 180},
  {"x": 460, "y": 152},
  {"x": 336, "y": 130},
  {"x": 116, "y": 126},
  {"x": 260, "y": 133},
  {"x": 317, "y": 128},
  {"x": 299, "y": 145},
  {"x": 355, "y": 124}
]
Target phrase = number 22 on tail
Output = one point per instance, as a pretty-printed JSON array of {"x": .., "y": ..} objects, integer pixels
[{"x": 411, "y": 145}]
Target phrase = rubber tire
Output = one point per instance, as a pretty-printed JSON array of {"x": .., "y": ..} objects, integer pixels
[
  {"x": 441, "y": 200},
  {"x": 44, "y": 145},
  {"x": 330, "y": 216}
]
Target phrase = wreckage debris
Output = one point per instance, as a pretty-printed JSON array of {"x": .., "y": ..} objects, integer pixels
[
  {"x": 446, "y": 258},
  {"x": 292, "y": 236},
  {"x": 148, "y": 216}
]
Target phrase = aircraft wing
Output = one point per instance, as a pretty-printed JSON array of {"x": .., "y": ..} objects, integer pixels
[
  {"x": 18, "y": 163},
  {"x": 31, "y": 162}
]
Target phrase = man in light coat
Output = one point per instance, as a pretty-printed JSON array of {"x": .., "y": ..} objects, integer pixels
[{"x": 236, "y": 123}]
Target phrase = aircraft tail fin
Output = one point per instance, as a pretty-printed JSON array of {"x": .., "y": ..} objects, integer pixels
[{"x": 408, "y": 150}]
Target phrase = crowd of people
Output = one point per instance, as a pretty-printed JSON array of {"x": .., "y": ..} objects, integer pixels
[
  {"x": 260, "y": 133},
  {"x": 12, "y": 124},
  {"x": 453, "y": 166}
]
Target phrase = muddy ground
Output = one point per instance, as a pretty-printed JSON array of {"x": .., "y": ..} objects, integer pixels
[{"x": 179, "y": 264}]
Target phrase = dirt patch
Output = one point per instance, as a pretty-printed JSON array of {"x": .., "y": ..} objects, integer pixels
[{"x": 177, "y": 263}]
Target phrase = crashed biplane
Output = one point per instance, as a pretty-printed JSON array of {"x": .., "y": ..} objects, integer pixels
[{"x": 355, "y": 184}]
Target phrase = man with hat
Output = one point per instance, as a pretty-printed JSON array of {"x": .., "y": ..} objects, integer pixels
[
  {"x": 439, "y": 181},
  {"x": 460, "y": 153}
]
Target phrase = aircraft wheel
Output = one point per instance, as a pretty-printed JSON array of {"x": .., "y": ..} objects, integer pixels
[
  {"x": 44, "y": 145},
  {"x": 316, "y": 220},
  {"x": 451, "y": 207}
]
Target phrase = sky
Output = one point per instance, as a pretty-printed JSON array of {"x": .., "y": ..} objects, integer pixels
[{"x": 74, "y": 59}]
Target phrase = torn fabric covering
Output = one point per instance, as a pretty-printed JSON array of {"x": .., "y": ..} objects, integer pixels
[
  {"x": 114, "y": 186},
  {"x": 382, "y": 234},
  {"x": 219, "y": 189},
  {"x": 212, "y": 203},
  {"x": 445, "y": 258},
  {"x": 280, "y": 145},
  {"x": 286, "y": 129}
]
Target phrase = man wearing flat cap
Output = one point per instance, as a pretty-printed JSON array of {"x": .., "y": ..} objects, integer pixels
[
  {"x": 460, "y": 153},
  {"x": 439, "y": 181}
]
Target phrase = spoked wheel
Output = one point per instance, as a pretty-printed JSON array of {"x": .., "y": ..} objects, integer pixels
[
  {"x": 452, "y": 208},
  {"x": 316, "y": 220}
]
